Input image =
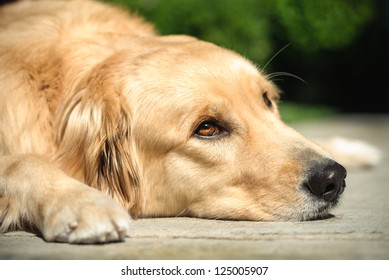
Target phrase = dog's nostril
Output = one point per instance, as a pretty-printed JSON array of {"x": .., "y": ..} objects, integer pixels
[
  {"x": 330, "y": 188},
  {"x": 327, "y": 181}
]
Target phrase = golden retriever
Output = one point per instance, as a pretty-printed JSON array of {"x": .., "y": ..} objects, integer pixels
[{"x": 101, "y": 119}]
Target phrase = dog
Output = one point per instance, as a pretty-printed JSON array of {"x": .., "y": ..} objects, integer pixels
[{"x": 103, "y": 121}]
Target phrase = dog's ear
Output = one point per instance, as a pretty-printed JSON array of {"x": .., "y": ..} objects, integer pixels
[{"x": 95, "y": 144}]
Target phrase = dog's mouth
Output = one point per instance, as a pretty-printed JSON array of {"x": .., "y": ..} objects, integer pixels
[
  {"x": 318, "y": 209},
  {"x": 322, "y": 213}
]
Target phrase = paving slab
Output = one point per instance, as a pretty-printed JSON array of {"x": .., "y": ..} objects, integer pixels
[{"x": 358, "y": 229}]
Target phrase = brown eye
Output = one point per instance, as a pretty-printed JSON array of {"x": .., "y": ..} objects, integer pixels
[
  {"x": 209, "y": 129},
  {"x": 267, "y": 100}
]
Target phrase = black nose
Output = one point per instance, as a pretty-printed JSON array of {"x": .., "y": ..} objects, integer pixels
[{"x": 326, "y": 181}]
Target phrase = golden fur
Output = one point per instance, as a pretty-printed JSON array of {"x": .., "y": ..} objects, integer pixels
[{"x": 91, "y": 97}]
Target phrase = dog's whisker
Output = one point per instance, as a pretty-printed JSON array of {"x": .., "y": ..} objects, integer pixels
[
  {"x": 181, "y": 214},
  {"x": 285, "y": 74},
  {"x": 275, "y": 55},
  {"x": 275, "y": 80}
]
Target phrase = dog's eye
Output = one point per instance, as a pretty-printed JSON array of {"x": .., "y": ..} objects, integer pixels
[
  {"x": 209, "y": 129},
  {"x": 267, "y": 100}
]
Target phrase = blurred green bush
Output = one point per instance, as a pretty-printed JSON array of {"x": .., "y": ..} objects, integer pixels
[{"x": 250, "y": 26}]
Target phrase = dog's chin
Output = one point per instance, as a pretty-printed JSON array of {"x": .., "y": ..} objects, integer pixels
[
  {"x": 323, "y": 216},
  {"x": 313, "y": 210},
  {"x": 319, "y": 215},
  {"x": 317, "y": 212}
]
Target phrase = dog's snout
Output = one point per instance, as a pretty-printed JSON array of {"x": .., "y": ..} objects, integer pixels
[{"x": 327, "y": 181}]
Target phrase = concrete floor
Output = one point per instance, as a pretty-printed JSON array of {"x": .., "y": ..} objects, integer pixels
[{"x": 358, "y": 230}]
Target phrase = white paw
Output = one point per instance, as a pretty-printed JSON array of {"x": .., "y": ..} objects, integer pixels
[
  {"x": 351, "y": 152},
  {"x": 85, "y": 215}
]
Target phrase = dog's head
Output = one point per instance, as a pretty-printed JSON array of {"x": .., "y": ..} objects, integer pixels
[{"x": 189, "y": 128}]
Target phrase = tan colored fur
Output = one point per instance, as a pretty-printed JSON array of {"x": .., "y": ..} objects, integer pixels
[{"x": 90, "y": 96}]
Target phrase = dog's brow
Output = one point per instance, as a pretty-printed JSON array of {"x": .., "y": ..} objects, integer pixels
[{"x": 239, "y": 64}]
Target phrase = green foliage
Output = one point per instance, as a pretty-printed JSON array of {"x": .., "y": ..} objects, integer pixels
[
  {"x": 249, "y": 26},
  {"x": 325, "y": 24},
  {"x": 227, "y": 23},
  {"x": 294, "y": 112}
]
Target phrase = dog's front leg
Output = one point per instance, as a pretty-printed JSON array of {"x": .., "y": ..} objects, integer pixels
[{"x": 32, "y": 191}]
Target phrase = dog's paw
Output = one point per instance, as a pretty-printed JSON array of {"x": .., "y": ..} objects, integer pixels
[
  {"x": 351, "y": 152},
  {"x": 85, "y": 215}
]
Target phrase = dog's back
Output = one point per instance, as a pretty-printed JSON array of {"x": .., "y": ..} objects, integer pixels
[{"x": 45, "y": 49}]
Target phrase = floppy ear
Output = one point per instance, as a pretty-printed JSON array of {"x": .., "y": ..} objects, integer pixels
[{"x": 95, "y": 145}]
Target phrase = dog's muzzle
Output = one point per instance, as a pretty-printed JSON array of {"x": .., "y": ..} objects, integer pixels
[{"x": 326, "y": 180}]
